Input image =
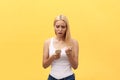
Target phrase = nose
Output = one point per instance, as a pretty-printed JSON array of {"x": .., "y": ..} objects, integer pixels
[{"x": 60, "y": 28}]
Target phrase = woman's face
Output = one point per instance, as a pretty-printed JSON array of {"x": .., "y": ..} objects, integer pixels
[{"x": 60, "y": 28}]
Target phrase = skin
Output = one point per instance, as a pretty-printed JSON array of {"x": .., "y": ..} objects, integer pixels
[{"x": 71, "y": 51}]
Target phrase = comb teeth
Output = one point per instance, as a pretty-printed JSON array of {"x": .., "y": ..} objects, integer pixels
[{"x": 58, "y": 51}]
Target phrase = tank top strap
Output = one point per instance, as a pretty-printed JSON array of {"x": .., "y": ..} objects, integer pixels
[{"x": 51, "y": 42}]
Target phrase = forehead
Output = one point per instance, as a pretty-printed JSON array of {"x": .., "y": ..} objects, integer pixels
[{"x": 60, "y": 22}]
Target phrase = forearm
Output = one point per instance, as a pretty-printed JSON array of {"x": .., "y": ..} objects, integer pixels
[
  {"x": 73, "y": 62},
  {"x": 48, "y": 62}
]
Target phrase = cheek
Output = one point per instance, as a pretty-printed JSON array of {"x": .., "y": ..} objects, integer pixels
[
  {"x": 65, "y": 30},
  {"x": 55, "y": 29}
]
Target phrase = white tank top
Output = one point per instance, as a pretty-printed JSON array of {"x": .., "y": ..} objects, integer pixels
[{"x": 61, "y": 67}]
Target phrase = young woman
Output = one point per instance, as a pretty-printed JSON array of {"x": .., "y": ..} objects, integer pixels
[{"x": 61, "y": 51}]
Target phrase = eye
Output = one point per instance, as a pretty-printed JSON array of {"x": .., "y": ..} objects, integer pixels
[
  {"x": 63, "y": 26},
  {"x": 57, "y": 26}
]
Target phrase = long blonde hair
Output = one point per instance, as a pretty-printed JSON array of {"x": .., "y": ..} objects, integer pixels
[{"x": 67, "y": 34}]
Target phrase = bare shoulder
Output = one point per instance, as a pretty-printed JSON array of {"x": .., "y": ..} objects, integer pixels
[
  {"x": 47, "y": 42},
  {"x": 74, "y": 41}
]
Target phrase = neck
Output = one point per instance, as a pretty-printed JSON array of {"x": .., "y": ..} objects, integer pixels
[{"x": 60, "y": 38}]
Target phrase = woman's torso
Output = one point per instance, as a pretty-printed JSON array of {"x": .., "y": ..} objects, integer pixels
[{"x": 60, "y": 68}]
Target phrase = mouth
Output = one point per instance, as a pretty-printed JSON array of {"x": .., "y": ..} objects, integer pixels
[{"x": 59, "y": 33}]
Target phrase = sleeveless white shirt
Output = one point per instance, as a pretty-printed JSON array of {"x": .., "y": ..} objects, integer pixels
[{"x": 61, "y": 67}]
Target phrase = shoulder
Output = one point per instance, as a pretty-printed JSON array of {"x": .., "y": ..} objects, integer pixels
[
  {"x": 47, "y": 41},
  {"x": 74, "y": 41}
]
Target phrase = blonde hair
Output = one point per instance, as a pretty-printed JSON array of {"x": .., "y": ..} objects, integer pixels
[{"x": 67, "y": 34}]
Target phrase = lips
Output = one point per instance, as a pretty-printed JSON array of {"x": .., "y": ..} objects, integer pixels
[{"x": 59, "y": 33}]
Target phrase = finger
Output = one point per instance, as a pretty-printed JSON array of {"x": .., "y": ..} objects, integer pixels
[
  {"x": 57, "y": 54},
  {"x": 70, "y": 48},
  {"x": 68, "y": 53}
]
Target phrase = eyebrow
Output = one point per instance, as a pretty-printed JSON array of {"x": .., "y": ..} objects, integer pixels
[{"x": 60, "y": 25}]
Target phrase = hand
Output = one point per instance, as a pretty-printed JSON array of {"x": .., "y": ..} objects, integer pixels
[
  {"x": 69, "y": 51},
  {"x": 57, "y": 54}
]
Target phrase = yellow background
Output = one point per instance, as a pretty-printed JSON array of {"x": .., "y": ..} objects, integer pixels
[{"x": 26, "y": 24}]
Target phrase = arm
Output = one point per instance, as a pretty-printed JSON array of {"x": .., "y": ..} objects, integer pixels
[
  {"x": 73, "y": 55},
  {"x": 46, "y": 59}
]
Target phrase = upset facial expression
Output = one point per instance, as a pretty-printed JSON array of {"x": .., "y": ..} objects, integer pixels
[{"x": 60, "y": 28}]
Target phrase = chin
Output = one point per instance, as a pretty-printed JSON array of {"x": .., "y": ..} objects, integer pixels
[{"x": 59, "y": 36}]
